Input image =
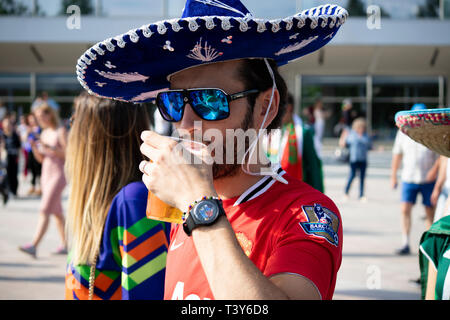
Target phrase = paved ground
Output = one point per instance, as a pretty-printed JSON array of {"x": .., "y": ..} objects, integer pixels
[{"x": 370, "y": 269}]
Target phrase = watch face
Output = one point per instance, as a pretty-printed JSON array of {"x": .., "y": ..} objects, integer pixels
[{"x": 205, "y": 211}]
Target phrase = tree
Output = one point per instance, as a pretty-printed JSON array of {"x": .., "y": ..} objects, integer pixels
[
  {"x": 11, "y": 7},
  {"x": 429, "y": 9},
  {"x": 384, "y": 13},
  {"x": 356, "y": 8},
  {"x": 85, "y": 6}
]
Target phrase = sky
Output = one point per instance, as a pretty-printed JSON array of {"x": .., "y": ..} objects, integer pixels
[{"x": 259, "y": 8}]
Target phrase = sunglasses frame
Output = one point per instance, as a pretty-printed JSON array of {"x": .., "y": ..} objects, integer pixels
[{"x": 187, "y": 99}]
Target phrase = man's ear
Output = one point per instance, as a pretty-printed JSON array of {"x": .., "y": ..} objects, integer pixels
[{"x": 264, "y": 101}]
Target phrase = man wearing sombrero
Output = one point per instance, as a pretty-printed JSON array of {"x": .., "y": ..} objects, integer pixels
[
  {"x": 249, "y": 233},
  {"x": 431, "y": 127},
  {"x": 419, "y": 170}
]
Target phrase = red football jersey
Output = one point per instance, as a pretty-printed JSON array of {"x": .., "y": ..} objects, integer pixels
[{"x": 282, "y": 228}]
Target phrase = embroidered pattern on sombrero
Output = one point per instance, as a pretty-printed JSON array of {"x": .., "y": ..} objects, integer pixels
[
  {"x": 146, "y": 95},
  {"x": 296, "y": 46},
  {"x": 414, "y": 120},
  {"x": 205, "y": 53},
  {"x": 124, "y": 77}
]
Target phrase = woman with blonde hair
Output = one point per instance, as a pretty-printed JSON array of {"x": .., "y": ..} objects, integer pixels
[
  {"x": 49, "y": 150},
  {"x": 116, "y": 251}
]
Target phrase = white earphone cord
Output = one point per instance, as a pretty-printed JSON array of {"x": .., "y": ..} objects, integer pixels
[{"x": 254, "y": 144}]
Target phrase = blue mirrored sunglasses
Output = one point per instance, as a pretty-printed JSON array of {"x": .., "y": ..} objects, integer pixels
[{"x": 208, "y": 103}]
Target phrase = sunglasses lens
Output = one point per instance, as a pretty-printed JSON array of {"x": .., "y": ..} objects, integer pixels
[
  {"x": 210, "y": 104},
  {"x": 170, "y": 105}
]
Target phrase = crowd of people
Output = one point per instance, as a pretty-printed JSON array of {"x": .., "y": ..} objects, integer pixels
[
  {"x": 41, "y": 141},
  {"x": 15, "y": 144}
]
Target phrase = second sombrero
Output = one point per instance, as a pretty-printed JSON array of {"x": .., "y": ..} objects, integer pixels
[{"x": 430, "y": 127}]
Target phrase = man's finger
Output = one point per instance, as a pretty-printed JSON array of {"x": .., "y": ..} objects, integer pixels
[
  {"x": 146, "y": 179},
  {"x": 149, "y": 151},
  {"x": 142, "y": 166},
  {"x": 146, "y": 167},
  {"x": 156, "y": 140}
]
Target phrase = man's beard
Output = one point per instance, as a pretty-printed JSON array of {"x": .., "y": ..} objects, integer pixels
[{"x": 229, "y": 170}]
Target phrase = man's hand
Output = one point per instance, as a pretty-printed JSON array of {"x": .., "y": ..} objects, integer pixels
[
  {"x": 394, "y": 182},
  {"x": 178, "y": 173},
  {"x": 433, "y": 172},
  {"x": 435, "y": 196}
]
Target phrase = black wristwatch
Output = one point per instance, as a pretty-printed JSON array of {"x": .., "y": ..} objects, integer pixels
[{"x": 203, "y": 213}]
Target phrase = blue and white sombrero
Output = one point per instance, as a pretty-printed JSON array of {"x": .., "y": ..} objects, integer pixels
[{"x": 135, "y": 65}]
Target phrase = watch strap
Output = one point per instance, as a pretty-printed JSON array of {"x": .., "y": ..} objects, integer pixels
[{"x": 189, "y": 225}]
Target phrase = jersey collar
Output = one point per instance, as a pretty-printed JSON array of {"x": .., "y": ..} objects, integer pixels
[{"x": 259, "y": 187}]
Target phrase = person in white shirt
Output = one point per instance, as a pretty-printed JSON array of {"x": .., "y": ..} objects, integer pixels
[
  {"x": 319, "y": 126},
  {"x": 419, "y": 172}
]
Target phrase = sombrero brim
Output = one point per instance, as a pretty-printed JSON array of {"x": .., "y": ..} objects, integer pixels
[
  {"x": 135, "y": 65},
  {"x": 429, "y": 127}
]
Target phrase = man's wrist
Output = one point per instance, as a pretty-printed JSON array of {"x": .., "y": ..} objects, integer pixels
[{"x": 220, "y": 223}]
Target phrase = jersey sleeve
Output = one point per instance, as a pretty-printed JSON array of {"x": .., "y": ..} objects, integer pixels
[
  {"x": 430, "y": 250},
  {"x": 310, "y": 245},
  {"x": 143, "y": 247},
  {"x": 132, "y": 259}
]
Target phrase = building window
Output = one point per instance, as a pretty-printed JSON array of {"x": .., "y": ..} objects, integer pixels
[
  {"x": 15, "y": 91},
  {"x": 333, "y": 90},
  {"x": 393, "y": 94},
  {"x": 390, "y": 94},
  {"x": 17, "y": 95},
  {"x": 446, "y": 9}
]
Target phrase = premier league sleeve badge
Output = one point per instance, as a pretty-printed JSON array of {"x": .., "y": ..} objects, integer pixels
[{"x": 321, "y": 222}]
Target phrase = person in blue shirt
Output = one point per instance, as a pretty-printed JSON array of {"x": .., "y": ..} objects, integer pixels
[{"x": 359, "y": 144}]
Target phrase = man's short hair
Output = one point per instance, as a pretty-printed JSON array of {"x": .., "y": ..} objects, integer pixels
[{"x": 255, "y": 75}]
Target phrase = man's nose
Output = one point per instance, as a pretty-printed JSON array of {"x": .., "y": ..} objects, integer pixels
[{"x": 189, "y": 118}]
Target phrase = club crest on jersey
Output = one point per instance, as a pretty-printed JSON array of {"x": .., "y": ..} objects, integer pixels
[
  {"x": 245, "y": 242},
  {"x": 322, "y": 222}
]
